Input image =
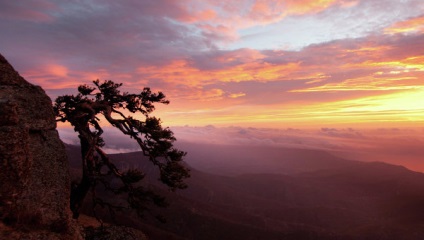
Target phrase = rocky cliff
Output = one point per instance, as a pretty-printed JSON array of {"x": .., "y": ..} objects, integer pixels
[{"x": 34, "y": 173}]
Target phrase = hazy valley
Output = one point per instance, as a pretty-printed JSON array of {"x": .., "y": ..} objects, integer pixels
[{"x": 259, "y": 192}]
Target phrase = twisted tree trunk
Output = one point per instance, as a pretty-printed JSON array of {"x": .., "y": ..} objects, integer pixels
[{"x": 79, "y": 191}]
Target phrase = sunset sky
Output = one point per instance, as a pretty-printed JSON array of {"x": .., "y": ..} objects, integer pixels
[
  {"x": 340, "y": 75},
  {"x": 260, "y": 63}
]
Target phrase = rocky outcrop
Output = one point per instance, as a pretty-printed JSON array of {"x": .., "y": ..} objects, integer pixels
[
  {"x": 34, "y": 173},
  {"x": 113, "y": 233}
]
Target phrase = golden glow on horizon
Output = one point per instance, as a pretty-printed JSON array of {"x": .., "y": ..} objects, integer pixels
[{"x": 397, "y": 109}]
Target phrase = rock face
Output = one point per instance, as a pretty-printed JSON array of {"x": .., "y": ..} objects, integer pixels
[
  {"x": 114, "y": 233},
  {"x": 34, "y": 173}
]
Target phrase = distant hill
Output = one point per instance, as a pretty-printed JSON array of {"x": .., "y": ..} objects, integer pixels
[
  {"x": 232, "y": 160},
  {"x": 285, "y": 194}
]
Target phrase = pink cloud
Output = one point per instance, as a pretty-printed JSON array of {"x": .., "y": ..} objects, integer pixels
[{"x": 32, "y": 10}]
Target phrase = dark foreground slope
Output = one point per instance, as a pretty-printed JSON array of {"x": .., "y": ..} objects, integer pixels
[{"x": 328, "y": 198}]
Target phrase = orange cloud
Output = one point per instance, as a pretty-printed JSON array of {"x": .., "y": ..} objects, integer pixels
[
  {"x": 413, "y": 25},
  {"x": 395, "y": 75},
  {"x": 237, "y": 95},
  {"x": 183, "y": 72},
  {"x": 57, "y": 70},
  {"x": 363, "y": 84},
  {"x": 301, "y": 7},
  {"x": 269, "y": 11},
  {"x": 208, "y": 95},
  {"x": 203, "y": 15},
  {"x": 367, "y": 50}
]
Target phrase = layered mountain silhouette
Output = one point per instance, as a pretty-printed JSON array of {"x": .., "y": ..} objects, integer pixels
[{"x": 248, "y": 192}]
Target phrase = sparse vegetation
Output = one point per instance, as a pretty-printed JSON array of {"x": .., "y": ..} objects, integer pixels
[{"x": 84, "y": 112}]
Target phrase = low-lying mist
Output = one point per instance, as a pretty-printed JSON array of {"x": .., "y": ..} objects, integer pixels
[{"x": 230, "y": 145}]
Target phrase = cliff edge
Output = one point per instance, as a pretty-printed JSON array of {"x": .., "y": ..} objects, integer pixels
[
  {"x": 34, "y": 173},
  {"x": 34, "y": 169}
]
